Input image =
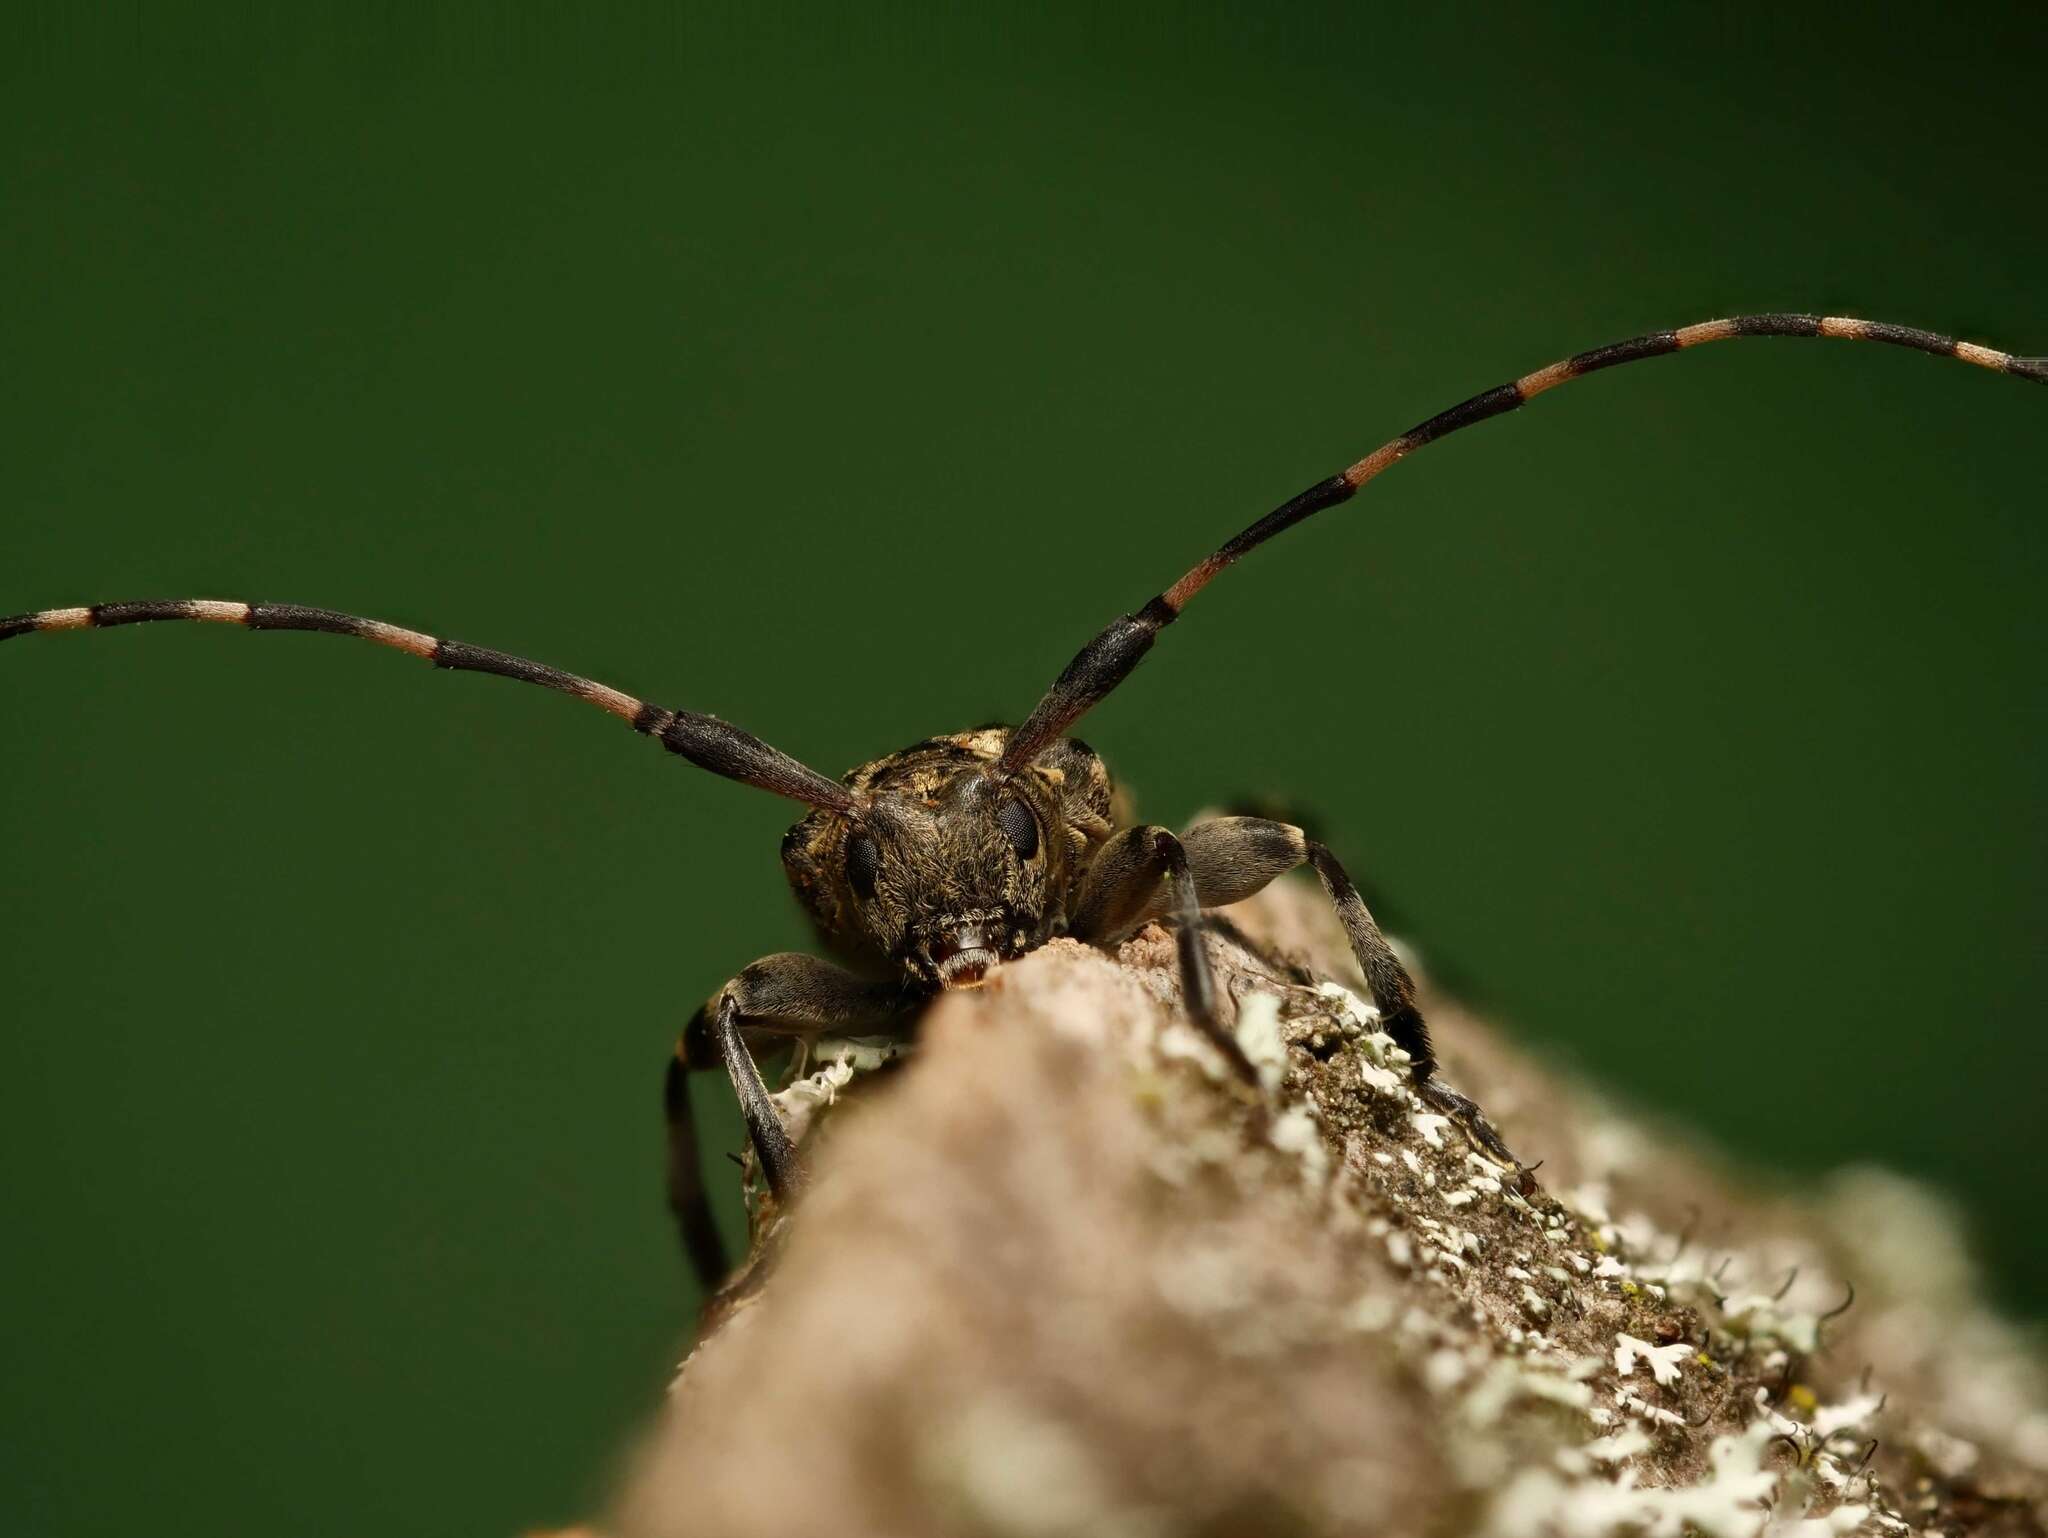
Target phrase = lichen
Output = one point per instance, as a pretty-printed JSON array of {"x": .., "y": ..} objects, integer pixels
[{"x": 1072, "y": 1276}]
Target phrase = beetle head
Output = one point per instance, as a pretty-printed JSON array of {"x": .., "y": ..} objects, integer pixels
[{"x": 938, "y": 875}]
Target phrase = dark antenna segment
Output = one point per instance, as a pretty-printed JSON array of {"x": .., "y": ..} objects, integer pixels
[{"x": 1108, "y": 659}]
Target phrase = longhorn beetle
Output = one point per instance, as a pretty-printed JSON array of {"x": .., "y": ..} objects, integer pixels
[{"x": 925, "y": 869}]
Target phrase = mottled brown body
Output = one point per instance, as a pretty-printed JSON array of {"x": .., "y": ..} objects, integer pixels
[{"x": 945, "y": 866}]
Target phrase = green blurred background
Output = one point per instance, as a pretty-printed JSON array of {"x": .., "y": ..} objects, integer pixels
[{"x": 841, "y": 380}]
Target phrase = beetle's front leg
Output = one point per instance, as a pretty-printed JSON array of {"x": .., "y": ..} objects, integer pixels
[
  {"x": 1233, "y": 857},
  {"x": 788, "y": 994}
]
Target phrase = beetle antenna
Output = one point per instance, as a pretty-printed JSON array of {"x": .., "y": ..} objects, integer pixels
[
  {"x": 1108, "y": 659},
  {"x": 705, "y": 741}
]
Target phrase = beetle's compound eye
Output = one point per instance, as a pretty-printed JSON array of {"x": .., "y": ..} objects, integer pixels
[
  {"x": 1019, "y": 827},
  {"x": 863, "y": 861}
]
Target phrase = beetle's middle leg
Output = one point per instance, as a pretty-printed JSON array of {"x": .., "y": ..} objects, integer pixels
[
  {"x": 789, "y": 995},
  {"x": 1231, "y": 858},
  {"x": 1146, "y": 873}
]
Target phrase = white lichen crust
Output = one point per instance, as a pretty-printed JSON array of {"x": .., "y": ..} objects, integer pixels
[{"x": 1062, "y": 1274}]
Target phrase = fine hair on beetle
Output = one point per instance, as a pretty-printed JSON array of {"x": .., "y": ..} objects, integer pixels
[{"x": 924, "y": 870}]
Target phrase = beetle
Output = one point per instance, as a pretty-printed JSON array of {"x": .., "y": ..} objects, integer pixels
[{"x": 924, "y": 870}]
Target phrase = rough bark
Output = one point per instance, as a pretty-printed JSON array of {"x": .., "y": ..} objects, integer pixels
[{"x": 1059, "y": 1274}]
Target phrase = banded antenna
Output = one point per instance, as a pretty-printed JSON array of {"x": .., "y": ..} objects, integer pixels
[
  {"x": 705, "y": 741},
  {"x": 1108, "y": 659}
]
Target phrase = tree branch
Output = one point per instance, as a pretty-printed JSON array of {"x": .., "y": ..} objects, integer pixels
[{"x": 1061, "y": 1274}]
